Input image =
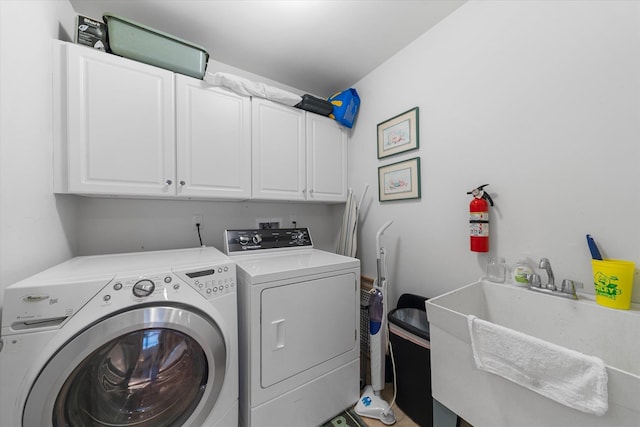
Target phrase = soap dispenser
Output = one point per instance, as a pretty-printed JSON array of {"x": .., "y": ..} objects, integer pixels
[{"x": 520, "y": 271}]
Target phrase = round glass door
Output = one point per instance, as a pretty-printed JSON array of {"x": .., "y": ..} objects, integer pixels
[
  {"x": 153, "y": 377},
  {"x": 153, "y": 366}
]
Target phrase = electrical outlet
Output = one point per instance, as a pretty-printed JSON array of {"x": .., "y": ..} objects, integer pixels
[
  {"x": 197, "y": 219},
  {"x": 268, "y": 223}
]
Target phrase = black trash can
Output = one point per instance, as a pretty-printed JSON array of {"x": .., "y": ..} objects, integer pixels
[{"x": 409, "y": 336}]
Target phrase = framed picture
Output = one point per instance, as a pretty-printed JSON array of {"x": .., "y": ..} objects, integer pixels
[
  {"x": 398, "y": 134},
  {"x": 399, "y": 181}
]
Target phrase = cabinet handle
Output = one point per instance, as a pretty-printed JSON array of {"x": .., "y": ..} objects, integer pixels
[
  {"x": 311, "y": 191},
  {"x": 168, "y": 182},
  {"x": 182, "y": 183}
]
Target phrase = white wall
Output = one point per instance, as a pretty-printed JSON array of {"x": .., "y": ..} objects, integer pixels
[
  {"x": 36, "y": 228},
  {"x": 128, "y": 225},
  {"x": 539, "y": 99}
]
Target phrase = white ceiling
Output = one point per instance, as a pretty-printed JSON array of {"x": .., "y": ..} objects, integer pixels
[{"x": 319, "y": 47}]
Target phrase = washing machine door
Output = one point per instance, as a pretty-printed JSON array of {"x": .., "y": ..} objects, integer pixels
[{"x": 152, "y": 366}]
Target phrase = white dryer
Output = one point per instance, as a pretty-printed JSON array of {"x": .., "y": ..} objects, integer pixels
[
  {"x": 140, "y": 339},
  {"x": 298, "y": 315}
]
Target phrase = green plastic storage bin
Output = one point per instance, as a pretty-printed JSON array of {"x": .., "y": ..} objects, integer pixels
[{"x": 144, "y": 44}]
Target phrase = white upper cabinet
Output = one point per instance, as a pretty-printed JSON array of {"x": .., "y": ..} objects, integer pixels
[
  {"x": 123, "y": 128},
  {"x": 326, "y": 159},
  {"x": 278, "y": 151},
  {"x": 213, "y": 141},
  {"x": 297, "y": 155},
  {"x": 114, "y": 130}
]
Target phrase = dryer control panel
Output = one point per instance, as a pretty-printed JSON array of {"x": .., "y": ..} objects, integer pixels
[{"x": 251, "y": 240}]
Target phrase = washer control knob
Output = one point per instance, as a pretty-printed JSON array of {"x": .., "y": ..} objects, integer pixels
[
  {"x": 143, "y": 288},
  {"x": 257, "y": 238},
  {"x": 298, "y": 237},
  {"x": 244, "y": 240}
]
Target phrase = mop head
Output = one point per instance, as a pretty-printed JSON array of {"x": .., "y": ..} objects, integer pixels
[{"x": 371, "y": 405}]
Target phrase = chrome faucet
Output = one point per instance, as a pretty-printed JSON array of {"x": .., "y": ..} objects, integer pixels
[
  {"x": 568, "y": 289},
  {"x": 546, "y": 265}
]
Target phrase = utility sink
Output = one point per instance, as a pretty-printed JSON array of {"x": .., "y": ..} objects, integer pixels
[{"x": 484, "y": 399}]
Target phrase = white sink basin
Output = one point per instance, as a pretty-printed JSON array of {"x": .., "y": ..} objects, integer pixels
[{"x": 485, "y": 399}]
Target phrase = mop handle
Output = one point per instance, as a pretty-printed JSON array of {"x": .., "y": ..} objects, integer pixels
[{"x": 379, "y": 234}]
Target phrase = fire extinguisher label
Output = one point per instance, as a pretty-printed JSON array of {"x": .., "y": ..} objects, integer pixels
[
  {"x": 479, "y": 224},
  {"x": 479, "y": 216},
  {"x": 479, "y": 229}
]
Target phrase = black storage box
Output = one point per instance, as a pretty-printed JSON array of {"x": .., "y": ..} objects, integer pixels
[
  {"x": 91, "y": 32},
  {"x": 315, "y": 105},
  {"x": 409, "y": 336}
]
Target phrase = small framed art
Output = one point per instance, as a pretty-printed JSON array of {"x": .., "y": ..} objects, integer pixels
[
  {"x": 398, "y": 134},
  {"x": 399, "y": 181}
]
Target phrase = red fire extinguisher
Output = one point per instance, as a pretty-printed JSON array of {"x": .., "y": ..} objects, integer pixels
[{"x": 479, "y": 219}]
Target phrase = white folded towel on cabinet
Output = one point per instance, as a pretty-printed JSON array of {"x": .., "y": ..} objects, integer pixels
[{"x": 246, "y": 87}]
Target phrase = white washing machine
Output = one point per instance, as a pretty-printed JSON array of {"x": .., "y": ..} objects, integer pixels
[
  {"x": 299, "y": 317},
  {"x": 140, "y": 339}
]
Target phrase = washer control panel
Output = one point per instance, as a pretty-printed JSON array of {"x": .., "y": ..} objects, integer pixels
[
  {"x": 212, "y": 282},
  {"x": 244, "y": 241}
]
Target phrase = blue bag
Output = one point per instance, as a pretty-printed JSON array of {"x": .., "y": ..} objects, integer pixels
[{"x": 345, "y": 106}]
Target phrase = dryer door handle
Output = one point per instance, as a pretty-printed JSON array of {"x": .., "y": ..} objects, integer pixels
[{"x": 280, "y": 330}]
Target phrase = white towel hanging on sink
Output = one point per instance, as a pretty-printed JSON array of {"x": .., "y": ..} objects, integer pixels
[{"x": 566, "y": 376}]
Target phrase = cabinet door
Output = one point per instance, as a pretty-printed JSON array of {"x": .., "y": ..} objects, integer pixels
[
  {"x": 326, "y": 159},
  {"x": 119, "y": 124},
  {"x": 278, "y": 151},
  {"x": 213, "y": 141}
]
